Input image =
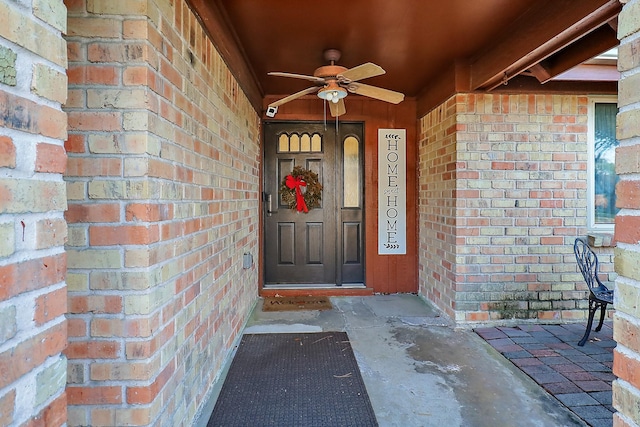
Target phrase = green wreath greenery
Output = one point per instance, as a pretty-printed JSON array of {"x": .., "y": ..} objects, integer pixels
[{"x": 311, "y": 192}]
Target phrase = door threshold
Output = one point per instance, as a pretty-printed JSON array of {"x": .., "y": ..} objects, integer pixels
[
  {"x": 290, "y": 290},
  {"x": 314, "y": 286}
]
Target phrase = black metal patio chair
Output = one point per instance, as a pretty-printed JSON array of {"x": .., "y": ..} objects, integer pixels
[{"x": 599, "y": 295}]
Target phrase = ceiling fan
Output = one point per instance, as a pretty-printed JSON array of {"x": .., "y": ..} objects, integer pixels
[{"x": 332, "y": 82}]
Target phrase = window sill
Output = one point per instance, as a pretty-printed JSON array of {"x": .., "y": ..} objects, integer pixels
[{"x": 600, "y": 240}]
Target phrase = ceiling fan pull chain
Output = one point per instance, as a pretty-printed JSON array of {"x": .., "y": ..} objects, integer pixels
[{"x": 324, "y": 113}]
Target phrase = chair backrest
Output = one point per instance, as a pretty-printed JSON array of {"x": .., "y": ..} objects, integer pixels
[{"x": 588, "y": 263}]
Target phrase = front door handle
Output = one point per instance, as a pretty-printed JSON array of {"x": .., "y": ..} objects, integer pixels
[{"x": 268, "y": 200}]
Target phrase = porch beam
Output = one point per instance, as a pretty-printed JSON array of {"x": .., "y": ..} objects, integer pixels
[
  {"x": 546, "y": 29},
  {"x": 454, "y": 80},
  {"x": 213, "y": 20},
  {"x": 529, "y": 85},
  {"x": 594, "y": 43},
  {"x": 540, "y": 72}
]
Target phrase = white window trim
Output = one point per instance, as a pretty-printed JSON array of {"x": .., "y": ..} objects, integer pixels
[{"x": 591, "y": 225}]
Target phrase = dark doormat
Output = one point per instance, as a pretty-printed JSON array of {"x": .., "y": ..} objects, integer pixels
[
  {"x": 296, "y": 303},
  {"x": 308, "y": 379}
]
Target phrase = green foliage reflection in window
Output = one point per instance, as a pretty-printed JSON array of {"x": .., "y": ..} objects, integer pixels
[{"x": 604, "y": 152}]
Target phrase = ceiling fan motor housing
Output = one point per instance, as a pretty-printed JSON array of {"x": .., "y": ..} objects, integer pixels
[
  {"x": 331, "y": 91},
  {"x": 329, "y": 71}
]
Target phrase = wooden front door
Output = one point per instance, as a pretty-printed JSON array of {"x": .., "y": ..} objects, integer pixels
[{"x": 326, "y": 245}]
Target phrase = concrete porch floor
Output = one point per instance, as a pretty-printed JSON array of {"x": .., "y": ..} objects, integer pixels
[{"x": 418, "y": 369}]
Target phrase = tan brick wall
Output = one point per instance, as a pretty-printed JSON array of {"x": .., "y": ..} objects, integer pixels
[
  {"x": 626, "y": 362},
  {"x": 33, "y": 292},
  {"x": 503, "y": 196},
  {"x": 163, "y": 202}
]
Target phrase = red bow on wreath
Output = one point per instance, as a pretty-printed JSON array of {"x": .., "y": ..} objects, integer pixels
[{"x": 297, "y": 182}]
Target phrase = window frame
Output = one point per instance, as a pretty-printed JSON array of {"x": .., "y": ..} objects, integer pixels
[{"x": 591, "y": 131}]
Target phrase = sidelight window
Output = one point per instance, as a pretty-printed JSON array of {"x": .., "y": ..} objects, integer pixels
[
  {"x": 351, "y": 172},
  {"x": 602, "y": 177}
]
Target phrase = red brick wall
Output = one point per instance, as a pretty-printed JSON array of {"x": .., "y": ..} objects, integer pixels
[
  {"x": 163, "y": 191},
  {"x": 437, "y": 209},
  {"x": 502, "y": 198},
  {"x": 626, "y": 330},
  {"x": 33, "y": 293}
]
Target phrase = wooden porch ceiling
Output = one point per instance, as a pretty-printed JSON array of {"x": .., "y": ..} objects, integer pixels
[{"x": 429, "y": 49}]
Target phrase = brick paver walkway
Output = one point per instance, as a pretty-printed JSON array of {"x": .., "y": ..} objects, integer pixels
[{"x": 579, "y": 377}]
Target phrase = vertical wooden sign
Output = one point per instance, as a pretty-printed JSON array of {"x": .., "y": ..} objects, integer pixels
[{"x": 392, "y": 191}]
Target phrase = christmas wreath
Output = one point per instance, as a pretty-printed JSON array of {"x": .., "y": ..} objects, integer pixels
[{"x": 300, "y": 190}]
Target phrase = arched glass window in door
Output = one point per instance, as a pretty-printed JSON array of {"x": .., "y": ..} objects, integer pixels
[
  {"x": 305, "y": 143},
  {"x": 351, "y": 172}
]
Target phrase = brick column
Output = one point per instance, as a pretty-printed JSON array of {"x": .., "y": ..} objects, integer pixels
[
  {"x": 626, "y": 364},
  {"x": 163, "y": 196},
  {"x": 33, "y": 293},
  {"x": 437, "y": 151}
]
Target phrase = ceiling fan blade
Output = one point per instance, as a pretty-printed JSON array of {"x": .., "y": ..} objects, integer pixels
[
  {"x": 376, "y": 92},
  {"x": 337, "y": 109},
  {"x": 293, "y": 96},
  {"x": 360, "y": 72},
  {"x": 297, "y": 76}
]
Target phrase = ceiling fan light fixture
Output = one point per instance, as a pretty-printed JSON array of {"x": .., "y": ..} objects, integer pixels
[{"x": 332, "y": 94}]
